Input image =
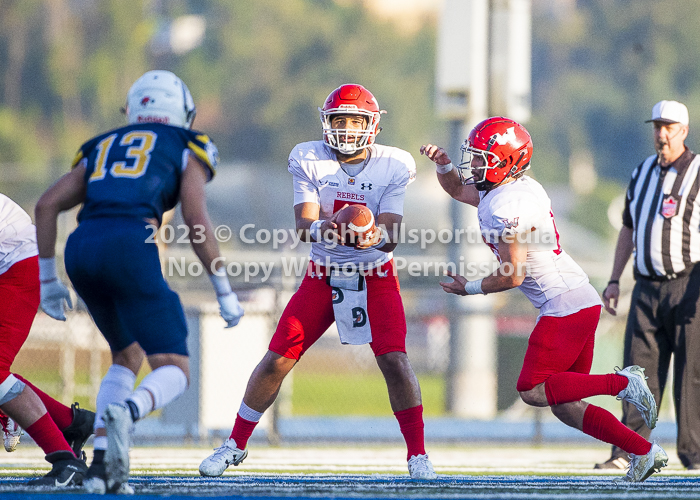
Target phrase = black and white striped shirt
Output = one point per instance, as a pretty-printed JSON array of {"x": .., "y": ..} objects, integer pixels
[{"x": 663, "y": 210}]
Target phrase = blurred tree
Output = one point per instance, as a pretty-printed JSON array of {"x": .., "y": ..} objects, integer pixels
[
  {"x": 263, "y": 69},
  {"x": 267, "y": 66},
  {"x": 598, "y": 68}
]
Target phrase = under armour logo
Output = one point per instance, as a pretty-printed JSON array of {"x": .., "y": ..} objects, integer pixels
[
  {"x": 502, "y": 139},
  {"x": 366, "y": 185}
]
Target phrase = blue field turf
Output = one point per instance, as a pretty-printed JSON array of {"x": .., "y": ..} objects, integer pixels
[{"x": 380, "y": 486}]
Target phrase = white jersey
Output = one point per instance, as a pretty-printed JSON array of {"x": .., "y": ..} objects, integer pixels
[
  {"x": 17, "y": 234},
  {"x": 521, "y": 209},
  {"x": 380, "y": 186}
]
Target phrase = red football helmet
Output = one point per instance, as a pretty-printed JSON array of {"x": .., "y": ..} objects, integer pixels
[
  {"x": 505, "y": 147},
  {"x": 350, "y": 99}
]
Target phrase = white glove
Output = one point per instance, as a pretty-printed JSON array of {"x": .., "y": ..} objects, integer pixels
[
  {"x": 230, "y": 309},
  {"x": 53, "y": 295}
]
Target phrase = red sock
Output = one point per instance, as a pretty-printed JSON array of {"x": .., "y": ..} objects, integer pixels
[
  {"x": 566, "y": 387},
  {"x": 242, "y": 430},
  {"x": 411, "y": 425},
  {"x": 47, "y": 436},
  {"x": 61, "y": 414},
  {"x": 601, "y": 424}
]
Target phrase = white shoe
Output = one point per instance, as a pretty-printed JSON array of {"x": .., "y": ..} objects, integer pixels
[
  {"x": 637, "y": 392},
  {"x": 11, "y": 434},
  {"x": 95, "y": 485},
  {"x": 226, "y": 454},
  {"x": 643, "y": 466},
  {"x": 420, "y": 467},
  {"x": 118, "y": 424}
]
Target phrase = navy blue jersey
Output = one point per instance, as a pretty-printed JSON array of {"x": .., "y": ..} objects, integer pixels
[{"x": 135, "y": 171}]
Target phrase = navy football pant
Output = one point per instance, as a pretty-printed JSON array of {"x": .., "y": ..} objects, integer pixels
[{"x": 118, "y": 276}]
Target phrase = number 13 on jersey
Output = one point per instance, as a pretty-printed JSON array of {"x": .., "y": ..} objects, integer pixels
[{"x": 140, "y": 142}]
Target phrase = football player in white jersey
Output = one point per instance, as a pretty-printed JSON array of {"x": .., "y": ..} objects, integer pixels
[
  {"x": 59, "y": 430},
  {"x": 346, "y": 167},
  {"x": 517, "y": 223}
]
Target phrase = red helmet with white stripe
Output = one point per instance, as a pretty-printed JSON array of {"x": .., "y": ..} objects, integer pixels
[
  {"x": 505, "y": 147},
  {"x": 350, "y": 99}
]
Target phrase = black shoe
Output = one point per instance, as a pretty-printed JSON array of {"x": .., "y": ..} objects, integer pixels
[
  {"x": 66, "y": 471},
  {"x": 80, "y": 429},
  {"x": 619, "y": 463}
]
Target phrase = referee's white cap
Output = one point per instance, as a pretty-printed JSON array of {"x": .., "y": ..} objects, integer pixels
[{"x": 669, "y": 112}]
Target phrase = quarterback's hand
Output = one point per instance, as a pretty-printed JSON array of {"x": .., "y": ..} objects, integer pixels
[
  {"x": 456, "y": 286},
  {"x": 53, "y": 296},
  {"x": 329, "y": 229},
  {"x": 435, "y": 153},
  {"x": 373, "y": 237},
  {"x": 230, "y": 309},
  {"x": 610, "y": 296}
]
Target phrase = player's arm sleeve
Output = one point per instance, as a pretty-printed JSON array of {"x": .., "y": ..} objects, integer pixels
[
  {"x": 305, "y": 191},
  {"x": 81, "y": 156},
  {"x": 392, "y": 199},
  {"x": 81, "y": 159},
  {"x": 626, "y": 213},
  {"x": 205, "y": 151}
]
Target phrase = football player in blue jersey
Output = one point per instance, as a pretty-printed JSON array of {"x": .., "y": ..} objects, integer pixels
[{"x": 125, "y": 179}]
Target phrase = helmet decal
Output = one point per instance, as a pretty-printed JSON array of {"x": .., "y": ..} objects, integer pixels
[{"x": 160, "y": 97}]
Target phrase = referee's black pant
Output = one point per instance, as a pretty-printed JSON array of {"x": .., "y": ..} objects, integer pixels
[{"x": 664, "y": 319}]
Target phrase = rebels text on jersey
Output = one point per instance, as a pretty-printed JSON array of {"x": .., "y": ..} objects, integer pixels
[
  {"x": 380, "y": 186},
  {"x": 522, "y": 210},
  {"x": 135, "y": 171}
]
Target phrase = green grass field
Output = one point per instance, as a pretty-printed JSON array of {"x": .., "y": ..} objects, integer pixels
[{"x": 356, "y": 394}]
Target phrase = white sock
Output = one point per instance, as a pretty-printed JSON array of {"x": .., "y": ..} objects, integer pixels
[
  {"x": 159, "y": 388},
  {"x": 116, "y": 385},
  {"x": 100, "y": 443},
  {"x": 248, "y": 413}
]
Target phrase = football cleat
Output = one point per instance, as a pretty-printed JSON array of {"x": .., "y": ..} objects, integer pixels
[
  {"x": 66, "y": 471},
  {"x": 79, "y": 430},
  {"x": 11, "y": 433},
  {"x": 637, "y": 393},
  {"x": 643, "y": 466},
  {"x": 226, "y": 454},
  {"x": 420, "y": 467},
  {"x": 95, "y": 482},
  {"x": 118, "y": 424}
]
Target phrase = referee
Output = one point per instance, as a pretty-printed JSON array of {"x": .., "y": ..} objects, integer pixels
[{"x": 661, "y": 231}]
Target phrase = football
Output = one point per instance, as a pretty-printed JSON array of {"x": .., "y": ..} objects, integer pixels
[{"x": 355, "y": 221}]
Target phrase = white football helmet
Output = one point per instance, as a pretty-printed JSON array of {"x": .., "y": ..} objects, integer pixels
[{"x": 160, "y": 97}]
